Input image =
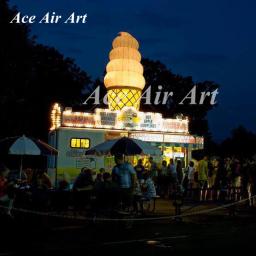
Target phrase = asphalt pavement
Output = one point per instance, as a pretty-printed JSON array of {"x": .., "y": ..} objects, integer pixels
[{"x": 205, "y": 234}]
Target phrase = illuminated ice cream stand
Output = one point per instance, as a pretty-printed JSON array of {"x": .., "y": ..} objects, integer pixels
[{"x": 72, "y": 133}]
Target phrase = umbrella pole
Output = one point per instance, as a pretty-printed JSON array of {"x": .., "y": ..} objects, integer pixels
[
  {"x": 21, "y": 163},
  {"x": 56, "y": 176}
]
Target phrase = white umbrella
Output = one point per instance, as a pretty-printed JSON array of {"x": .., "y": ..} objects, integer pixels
[{"x": 26, "y": 146}]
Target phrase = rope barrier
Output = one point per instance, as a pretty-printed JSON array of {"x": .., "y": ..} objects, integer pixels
[{"x": 72, "y": 217}]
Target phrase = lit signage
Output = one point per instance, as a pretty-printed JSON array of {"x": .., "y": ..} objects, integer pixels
[
  {"x": 78, "y": 119},
  {"x": 128, "y": 118},
  {"x": 166, "y": 138},
  {"x": 147, "y": 137},
  {"x": 151, "y": 121},
  {"x": 105, "y": 118},
  {"x": 175, "y": 125},
  {"x": 200, "y": 140},
  {"x": 178, "y": 154},
  {"x": 179, "y": 138},
  {"x": 80, "y": 143}
]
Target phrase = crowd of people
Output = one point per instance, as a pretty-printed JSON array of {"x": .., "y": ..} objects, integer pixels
[
  {"x": 124, "y": 188},
  {"x": 13, "y": 184},
  {"x": 227, "y": 179},
  {"x": 207, "y": 179},
  {"x": 131, "y": 187}
]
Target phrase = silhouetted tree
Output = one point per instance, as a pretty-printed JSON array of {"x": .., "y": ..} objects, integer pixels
[
  {"x": 33, "y": 76},
  {"x": 241, "y": 143},
  {"x": 157, "y": 74}
]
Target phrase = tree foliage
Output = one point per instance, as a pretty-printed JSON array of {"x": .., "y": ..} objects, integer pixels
[
  {"x": 241, "y": 143},
  {"x": 157, "y": 74},
  {"x": 33, "y": 76}
]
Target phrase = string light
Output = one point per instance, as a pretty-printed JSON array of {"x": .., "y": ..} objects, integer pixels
[{"x": 55, "y": 116}]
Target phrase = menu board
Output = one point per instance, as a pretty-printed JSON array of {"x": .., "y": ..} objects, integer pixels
[{"x": 107, "y": 119}]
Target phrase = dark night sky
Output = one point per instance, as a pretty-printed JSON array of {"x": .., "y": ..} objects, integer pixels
[{"x": 209, "y": 40}]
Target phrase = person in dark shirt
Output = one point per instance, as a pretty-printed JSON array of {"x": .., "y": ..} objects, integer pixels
[
  {"x": 107, "y": 194},
  {"x": 179, "y": 172},
  {"x": 83, "y": 189},
  {"x": 84, "y": 180},
  {"x": 6, "y": 190},
  {"x": 139, "y": 168}
]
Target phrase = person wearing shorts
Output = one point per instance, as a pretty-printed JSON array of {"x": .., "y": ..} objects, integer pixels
[{"x": 203, "y": 177}]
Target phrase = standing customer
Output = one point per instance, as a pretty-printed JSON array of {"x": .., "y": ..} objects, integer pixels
[
  {"x": 179, "y": 172},
  {"x": 125, "y": 176},
  {"x": 203, "y": 177},
  {"x": 191, "y": 174}
]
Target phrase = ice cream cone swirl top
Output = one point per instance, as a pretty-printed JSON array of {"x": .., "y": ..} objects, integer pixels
[
  {"x": 125, "y": 39},
  {"x": 124, "y": 69}
]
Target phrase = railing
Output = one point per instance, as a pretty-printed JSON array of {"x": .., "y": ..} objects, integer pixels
[{"x": 61, "y": 203}]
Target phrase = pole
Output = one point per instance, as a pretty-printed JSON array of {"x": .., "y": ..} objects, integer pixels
[
  {"x": 21, "y": 163},
  {"x": 56, "y": 158}
]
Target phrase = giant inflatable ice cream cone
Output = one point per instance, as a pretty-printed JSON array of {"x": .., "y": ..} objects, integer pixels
[{"x": 124, "y": 79}]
